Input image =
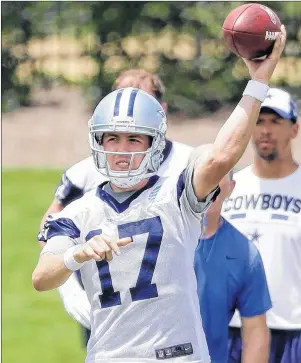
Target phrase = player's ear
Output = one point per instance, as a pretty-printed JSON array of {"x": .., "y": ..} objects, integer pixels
[{"x": 295, "y": 129}]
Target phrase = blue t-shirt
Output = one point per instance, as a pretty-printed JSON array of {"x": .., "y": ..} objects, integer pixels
[{"x": 230, "y": 275}]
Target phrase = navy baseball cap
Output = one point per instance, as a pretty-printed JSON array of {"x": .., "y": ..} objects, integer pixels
[{"x": 282, "y": 103}]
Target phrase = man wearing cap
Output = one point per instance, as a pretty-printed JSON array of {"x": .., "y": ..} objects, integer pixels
[{"x": 266, "y": 207}]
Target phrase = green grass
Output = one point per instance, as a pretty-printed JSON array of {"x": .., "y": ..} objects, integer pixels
[{"x": 35, "y": 326}]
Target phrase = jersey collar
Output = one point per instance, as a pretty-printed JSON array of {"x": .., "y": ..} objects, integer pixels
[{"x": 121, "y": 207}]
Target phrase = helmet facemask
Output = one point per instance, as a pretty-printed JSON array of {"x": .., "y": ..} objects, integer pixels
[{"x": 152, "y": 156}]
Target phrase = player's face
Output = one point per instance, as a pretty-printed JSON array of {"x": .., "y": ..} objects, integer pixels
[
  {"x": 272, "y": 136},
  {"x": 117, "y": 142}
]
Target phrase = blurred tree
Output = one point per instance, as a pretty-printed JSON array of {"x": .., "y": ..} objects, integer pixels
[
  {"x": 14, "y": 93},
  {"x": 90, "y": 43}
]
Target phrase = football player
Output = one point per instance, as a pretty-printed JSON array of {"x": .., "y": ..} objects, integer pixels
[
  {"x": 83, "y": 176},
  {"x": 144, "y": 305}
]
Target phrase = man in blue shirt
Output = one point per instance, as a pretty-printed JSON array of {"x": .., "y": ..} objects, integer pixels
[{"x": 231, "y": 276}]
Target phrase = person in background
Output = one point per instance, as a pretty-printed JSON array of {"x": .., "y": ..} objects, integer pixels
[
  {"x": 230, "y": 275},
  {"x": 266, "y": 207}
]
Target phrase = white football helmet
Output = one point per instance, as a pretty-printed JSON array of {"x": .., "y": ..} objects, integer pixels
[{"x": 128, "y": 110}]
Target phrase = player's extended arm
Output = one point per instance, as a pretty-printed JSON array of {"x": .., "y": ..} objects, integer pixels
[
  {"x": 72, "y": 294},
  {"x": 56, "y": 263},
  {"x": 235, "y": 134},
  {"x": 50, "y": 272},
  {"x": 255, "y": 340}
]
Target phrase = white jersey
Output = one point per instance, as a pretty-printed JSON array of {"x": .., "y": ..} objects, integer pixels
[
  {"x": 268, "y": 212},
  {"x": 144, "y": 304},
  {"x": 83, "y": 176}
]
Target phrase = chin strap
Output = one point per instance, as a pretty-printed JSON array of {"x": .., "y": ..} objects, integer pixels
[{"x": 126, "y": 183}]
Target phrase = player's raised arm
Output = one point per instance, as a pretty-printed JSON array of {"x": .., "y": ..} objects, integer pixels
[{"x": 235, "y": 134}]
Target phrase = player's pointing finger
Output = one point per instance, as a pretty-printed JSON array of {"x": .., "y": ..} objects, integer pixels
[{"x": 124, "y": 241}]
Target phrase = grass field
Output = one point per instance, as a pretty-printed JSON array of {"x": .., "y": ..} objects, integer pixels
[{"x": 35, "y": 326}]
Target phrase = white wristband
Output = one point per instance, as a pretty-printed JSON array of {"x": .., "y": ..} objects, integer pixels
[
  {"x": 69, "y": 259},
  {"x": 256, "y": 90}
]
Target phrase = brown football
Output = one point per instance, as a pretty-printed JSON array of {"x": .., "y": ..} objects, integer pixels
[{"x": 250, "y": 30}]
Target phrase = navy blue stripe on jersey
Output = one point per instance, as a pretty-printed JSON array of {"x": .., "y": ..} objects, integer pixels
[
  {"x": 279, "y": 216},
  {"x": 167, "y": 150},
  {"x": 238, "y": 216},
  {"x": 117, "y": 102},
  {"x": 132, "y": 102},
  {"x": 121, "y": 207},
  {"x": 59, "y": 227},
  {"x": 181, "y": 185},
  {"x": 67, "y": 192},
  {"x": 93, "y": 233}
]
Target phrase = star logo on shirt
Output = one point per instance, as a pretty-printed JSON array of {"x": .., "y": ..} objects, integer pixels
[{"x": 254, "y": 237}]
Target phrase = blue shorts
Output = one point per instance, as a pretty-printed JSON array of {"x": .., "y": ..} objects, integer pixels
[{"x": 285, "y": 346}]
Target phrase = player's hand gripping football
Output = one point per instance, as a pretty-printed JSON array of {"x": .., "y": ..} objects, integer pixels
[
  {"x": 100, "y": 247},
  {"x": 262, "y": 70}
]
